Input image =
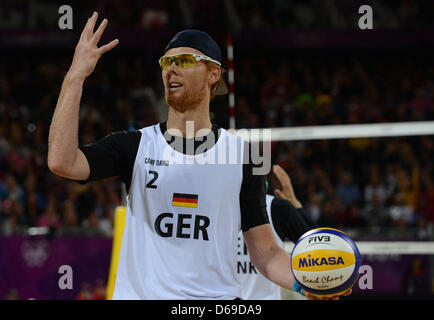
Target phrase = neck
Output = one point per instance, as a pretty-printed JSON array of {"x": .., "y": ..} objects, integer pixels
[{"x": 189, "y": 123}]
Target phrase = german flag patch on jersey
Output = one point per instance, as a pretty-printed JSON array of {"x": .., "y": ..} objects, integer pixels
[{"x": 185, "y": 200}]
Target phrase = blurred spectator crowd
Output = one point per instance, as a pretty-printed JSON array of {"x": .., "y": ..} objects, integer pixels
[
  {"x": 381, "y": 182},
  {"x": 343, "y": 183},
  {"x": 215, "y": 14}
]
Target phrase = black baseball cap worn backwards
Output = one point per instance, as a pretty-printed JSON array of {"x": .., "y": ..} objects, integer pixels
[{"x": 203, "y": 42}]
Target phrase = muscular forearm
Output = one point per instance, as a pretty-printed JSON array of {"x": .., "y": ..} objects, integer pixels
[
  {"x": 63, "y": 136},
  {"x": 276, "y": 267},
  {"x": 268, "y": 257}
]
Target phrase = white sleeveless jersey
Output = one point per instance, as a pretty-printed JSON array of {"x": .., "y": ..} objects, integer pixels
[
  {"x": 182, "y": 222},
  {"x": 255, "y": 285}
]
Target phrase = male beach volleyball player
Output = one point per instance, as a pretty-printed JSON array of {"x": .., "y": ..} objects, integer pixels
[
  {"x": 182, "y": 220},
  {"x": 289, "y": 222}
]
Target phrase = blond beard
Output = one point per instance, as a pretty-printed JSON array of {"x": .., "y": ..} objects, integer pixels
[{"x": 186, "y": 101}]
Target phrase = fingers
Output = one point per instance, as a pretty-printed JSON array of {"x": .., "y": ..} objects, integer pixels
[
  {"x": 280, "y": 194},
  {"x": 310, "y": 296},
  {"x": 285, "y": 182},
  {"x": 89, "y": 35},
  {"x": 97, "y": 35},
  {"x": 83, "y": 33},
  {"x": 348, "y": 292},
  {"x": 277, "y": 169},
  {"x": 108, "y": 46},
  {"x": 90, "y": 25},
  {"x": 280, "y": 174}
]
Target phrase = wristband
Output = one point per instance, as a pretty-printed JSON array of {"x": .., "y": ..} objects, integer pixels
[{"x": 296, "y": 287}]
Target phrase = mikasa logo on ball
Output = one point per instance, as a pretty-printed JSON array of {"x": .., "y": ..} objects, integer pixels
[
  {"x": 319, "y": 260},
  {"x": 305, "y": 262}
]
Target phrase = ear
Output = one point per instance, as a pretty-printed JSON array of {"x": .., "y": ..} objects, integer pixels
[{"x": 214, "y": 75}]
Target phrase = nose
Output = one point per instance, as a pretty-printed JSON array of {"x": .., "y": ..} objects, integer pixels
[
  {"x": 172, "y": 66},
  {"x": 173, "y": 69}
]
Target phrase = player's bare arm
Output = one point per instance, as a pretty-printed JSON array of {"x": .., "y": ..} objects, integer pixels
[
  {"x": 268, "y": 257},
  {"x": 64, "y": 157}
]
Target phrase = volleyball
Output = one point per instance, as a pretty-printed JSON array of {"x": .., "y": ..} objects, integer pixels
[{"x": 325, "y": 262}]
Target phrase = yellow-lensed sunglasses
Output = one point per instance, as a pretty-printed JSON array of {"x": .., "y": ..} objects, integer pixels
[{"x": 183, "y": 60}]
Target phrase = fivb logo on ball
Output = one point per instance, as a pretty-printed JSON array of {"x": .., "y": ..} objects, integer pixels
[{"x": 325, "y": 261}]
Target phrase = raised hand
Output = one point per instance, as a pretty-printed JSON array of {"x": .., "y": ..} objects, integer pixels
[
  {"x": 87, "y": 53},
  {"x": 287, "y": 191}
]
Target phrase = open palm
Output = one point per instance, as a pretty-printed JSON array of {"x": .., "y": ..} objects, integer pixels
[{"x": 87, "y": 53}]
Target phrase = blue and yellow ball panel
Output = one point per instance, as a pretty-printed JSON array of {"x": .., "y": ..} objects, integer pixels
[{"x": 325, "y": 261}]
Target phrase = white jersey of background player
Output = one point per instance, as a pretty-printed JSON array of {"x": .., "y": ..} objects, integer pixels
[{"x": 289, "y": 222}]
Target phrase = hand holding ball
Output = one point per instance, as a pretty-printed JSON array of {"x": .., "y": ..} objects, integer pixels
[{"x": 325, "y": 262}]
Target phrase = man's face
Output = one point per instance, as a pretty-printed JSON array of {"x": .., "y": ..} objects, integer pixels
[{"x": 185, "y": 88}]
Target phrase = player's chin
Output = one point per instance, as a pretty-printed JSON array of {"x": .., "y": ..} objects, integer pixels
[{"x": 175, "y": 99}]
